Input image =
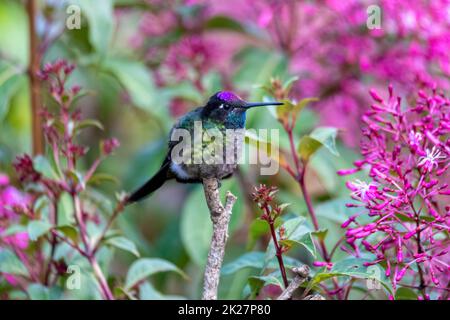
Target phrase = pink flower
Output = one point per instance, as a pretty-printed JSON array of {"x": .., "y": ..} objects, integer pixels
[
  {"x": 10, "y": 279},
  {"x": 25, "y": 169},
  {"x": 265, "y": 17},
  {"x": 18, "y": 240},
  {"x": 406, "y": 215},
  {"x": 110, "y": 145},
  {"x": 430, "y": 161},
  {"x": 4, "y": 180},
  {"x": 10, "y": 198},
  {"x": 328, "y": 265},
  {"x": 344, "y": 172},
  {"x": 363, "y": 191}
]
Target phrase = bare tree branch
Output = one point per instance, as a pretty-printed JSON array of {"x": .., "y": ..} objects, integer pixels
[
  {"x": 301, "y": 275},
  {"x": 34, "y": 66},
  {"x": 220, "y": 216},
  {"x": 314, "y": 297}
]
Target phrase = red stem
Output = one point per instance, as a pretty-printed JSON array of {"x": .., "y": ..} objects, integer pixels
[
  {"x": 279, "y": 252},
  {"x": 293, "y": 149},
  {"x": 54, "y": 240},
  {"x": 300, "y": 178},
  {"x": 90, "y": 255}
]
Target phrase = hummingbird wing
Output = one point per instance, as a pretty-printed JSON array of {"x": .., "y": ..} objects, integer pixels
[{"x": 165, "y": 172}]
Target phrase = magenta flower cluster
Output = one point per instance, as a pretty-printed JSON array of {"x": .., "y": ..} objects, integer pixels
[
  {"x": 405, "y": 213},
  {"x": 12, "y": 204}
]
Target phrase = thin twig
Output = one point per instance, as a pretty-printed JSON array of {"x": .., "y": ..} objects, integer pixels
[
  {"x": 300, "y": 178},
  {"x": 278, "y": 249},
  {"x": 314, "y": 297},
  {"x": 119, "y": 208},
  {"x": 53, "y": 241},
  {"x": 301, "y": 275},
  {"x": 220, "y": 216},
  {"x": 70, "y": 243},
  {"x": 90, "y": 255}
]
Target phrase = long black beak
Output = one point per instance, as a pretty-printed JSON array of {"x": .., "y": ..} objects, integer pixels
[{"x": 249, "y": 105}]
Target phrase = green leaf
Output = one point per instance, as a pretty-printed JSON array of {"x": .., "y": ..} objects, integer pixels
[
  {"x": 405, "y": 294},
  {"x": 98, "y": 178},
  {"x": 100, "y": 18},
  {"x": 257, "y": 229},
  {"x": 124, "y": 244},
  {"x": 136, "y": 79},
  {"x": 224, "y": 23},
  {"x": 334, "y": 210},
  {"x": 119, "y": 291},
  {"x": 284, "y": 110},
  {"x": 10, "y": 263},
  {"x": 88, "y": 123},
  {"x": 322, "y": 136},
  {"x": 148, "y": 292},
  {"x": 297, "y": 232},
  {"x": 69, "y": 231},
  {"x": 327, "y": 137},
  {"x": 321, "y": 234},
  {"x": 353, "y": 267},
  {"x": 65, "y": 210},
  {"x": 37, "y": 291},
  {"x": 7, "y": 90},
  {"x": 305, "y": 241},
  {"x": 38, "y": 228},
  {"x": 145, "y": 267},
  {"x": 255, "y": 259},
  {"x": 43, "y": 166},
  {"x": 307, "y": 147},
  {"x": 258, "y": 282},
  {"x": 289, "y": 108}
]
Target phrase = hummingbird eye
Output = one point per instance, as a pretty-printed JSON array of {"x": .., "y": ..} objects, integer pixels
[{"x": 226, "y": 106}]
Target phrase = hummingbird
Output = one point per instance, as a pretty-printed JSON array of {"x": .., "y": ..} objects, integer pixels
[{"x": 224, "y": 112}]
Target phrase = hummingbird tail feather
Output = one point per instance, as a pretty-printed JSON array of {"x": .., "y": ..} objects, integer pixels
[{"x": 151, "y": 185}]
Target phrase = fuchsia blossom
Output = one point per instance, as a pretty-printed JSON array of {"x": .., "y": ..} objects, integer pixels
[
  {"x": 110, "y": 145},
  {"x": 405, "y": 151},
  {"x": 430, "y": 160},
  {"x": 362, "y": 190},
  {"x": 193, "y": 53},
  {"x": 328, "y": 265},
  {"x": 11, "y": 200}
]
